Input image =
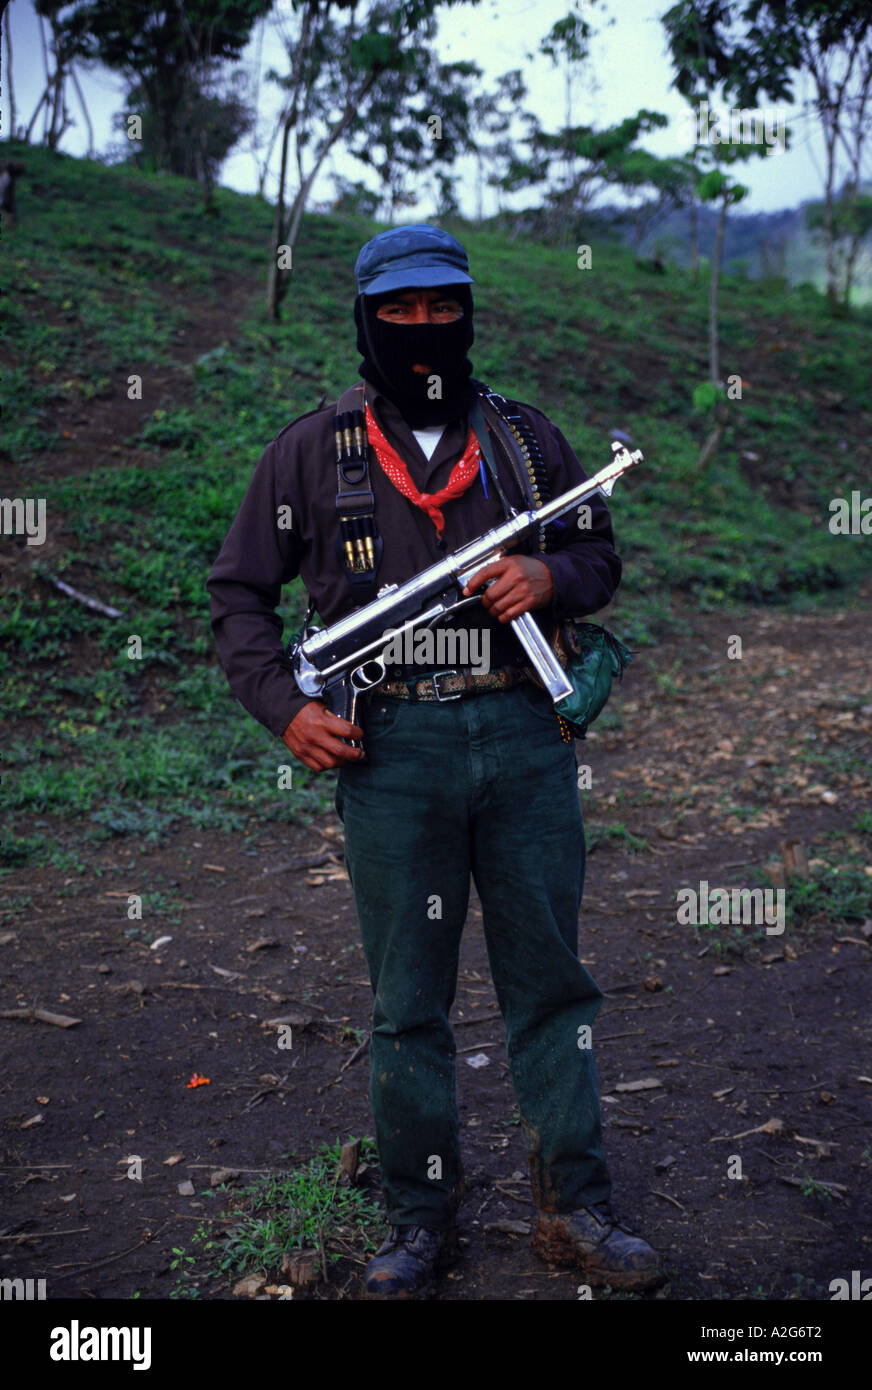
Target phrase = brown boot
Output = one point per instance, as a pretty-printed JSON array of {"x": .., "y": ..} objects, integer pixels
[{"x": 598, "y": 1246}]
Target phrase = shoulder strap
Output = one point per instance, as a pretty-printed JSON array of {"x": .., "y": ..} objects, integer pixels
[
  {"x": 352, "y": 399},
  {"x": 477, "y": 421}
]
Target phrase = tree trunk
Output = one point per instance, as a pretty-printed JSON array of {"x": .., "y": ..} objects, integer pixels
[
  {"x": 694, "y": 239},
  {"x": 278, "y": 238},
  {"x": 299, "y": 206},
  {"x": 7, "y": 29},
  {"x": 714, "y": 354},
  {"x": 60, "y": 116},
  {"x": 263, "y": 169},
  {"x": 48, "y": 80},
  {"x": 850, "y": 254},
  {"x": 80, "y": 95},
  {"x": 854, "y": 148},
  {"x": 277, "y": 284},
  {"x": 713, "y": 443},
  {"x": 204, "y": 169},
  {"x": 37, "y": 109},
  {"x": 829, "y": 224},
  {"x": 56, "y": 102}
]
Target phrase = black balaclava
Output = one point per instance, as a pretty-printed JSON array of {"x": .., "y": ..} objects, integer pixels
[{"x": 389, "y": 349}]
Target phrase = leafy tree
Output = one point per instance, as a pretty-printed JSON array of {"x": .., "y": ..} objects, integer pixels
[
  {"x": 716, "y": 186},
  {"x": 758, "y": 48},
  {"x": 57, "y": 56},
  {"x": 170, "y": 56},
  {"x": 417, "y": 119},
  {"x": 701, "y": 68},
  {"x": 210, "y": 124},
  {"x": 353, "y": 196},
  {"x": 333, "y": 68},
  {"x": 662, "y": 186},
  {"x": 850, "y": 225},
  {"x": 592, "y": 160}
]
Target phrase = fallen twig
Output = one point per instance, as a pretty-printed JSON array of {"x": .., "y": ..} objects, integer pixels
[
  {"x": 45, "y": 1235},
  {"x": 351, "y": 1253},
  {"x": 109, "y": 1258},
  {"x": 211, "y": 1166},
  {"x": 655, "y": 1192},
  {"x": 311, "y": 861},
  {"x": 93, "y": 603},
  {"x": 525, "y": 1201},
  {"x": 773, "y": 1126},
  {"x": 358, "y": 1052},
  {"x": 836, "y": 1188},
  {"x": 41, "y": 1016},
  {"x": 260, "y": 1095}
]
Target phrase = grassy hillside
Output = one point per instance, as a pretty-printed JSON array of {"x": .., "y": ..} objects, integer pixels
[{"x": 111, "y": 273}]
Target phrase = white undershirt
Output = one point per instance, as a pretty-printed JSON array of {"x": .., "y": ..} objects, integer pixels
[{"x": 429, "y": 438}]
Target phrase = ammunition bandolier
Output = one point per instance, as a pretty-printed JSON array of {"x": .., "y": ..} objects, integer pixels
[{"x": 359, "y": 545}]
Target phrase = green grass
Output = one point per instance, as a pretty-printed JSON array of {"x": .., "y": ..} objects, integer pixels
[
  {"x": 837, "y": 893},
  {"x": 110, "y": 264},
  {"x": 614, "y": 834},
  {"x": 300, "y": 1209}
]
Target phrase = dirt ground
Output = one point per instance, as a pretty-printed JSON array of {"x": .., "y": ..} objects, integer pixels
[{"x": 777, "y": 1030}]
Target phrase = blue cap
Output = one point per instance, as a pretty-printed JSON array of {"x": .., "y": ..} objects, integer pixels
[{"x": 409, "y": 257}]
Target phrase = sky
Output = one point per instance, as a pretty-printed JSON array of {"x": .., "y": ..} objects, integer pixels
[{"x": 629, "y": 69}]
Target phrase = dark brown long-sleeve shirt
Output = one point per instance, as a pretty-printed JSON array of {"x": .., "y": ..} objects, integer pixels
[{"x": 297, "y": 470}]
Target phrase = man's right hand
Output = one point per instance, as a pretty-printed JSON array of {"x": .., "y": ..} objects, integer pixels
[{"x": 315, "y": 737}]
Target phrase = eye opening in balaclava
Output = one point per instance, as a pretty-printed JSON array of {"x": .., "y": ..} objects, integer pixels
[{"x": 390, "y": 349}]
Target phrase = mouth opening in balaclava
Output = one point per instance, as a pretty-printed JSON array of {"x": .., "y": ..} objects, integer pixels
[{"x": 390, "y": 349}]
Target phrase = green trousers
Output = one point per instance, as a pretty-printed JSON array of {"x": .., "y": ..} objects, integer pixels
[{"x": 483, "y": 786}]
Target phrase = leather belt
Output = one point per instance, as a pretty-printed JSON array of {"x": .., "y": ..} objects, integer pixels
[{"x": 453, "y": 684}]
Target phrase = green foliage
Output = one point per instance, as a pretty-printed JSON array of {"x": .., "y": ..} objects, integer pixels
[
  {"x": 306, "y": 1208},
  {"x": 614, "y": 834},
  {"x": 715, "y": 184},
  {"x": 705, "y": 395},
  {"x": 169, "y": 56},
  {"x": 170, "y": 429},
  {"x": 16, "y": 850},
  {"x": 838, "y": 893}
]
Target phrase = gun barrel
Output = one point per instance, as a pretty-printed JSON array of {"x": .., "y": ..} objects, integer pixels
[{"x": 604, "y": 479}]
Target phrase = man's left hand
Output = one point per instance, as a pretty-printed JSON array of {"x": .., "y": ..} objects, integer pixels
[{"x": 519, "y": 583}]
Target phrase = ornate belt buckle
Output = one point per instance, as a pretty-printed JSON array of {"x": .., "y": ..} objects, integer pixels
[{"x": 438, "y": 693}]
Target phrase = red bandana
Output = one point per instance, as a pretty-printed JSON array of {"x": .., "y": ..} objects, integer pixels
[{"x": 462, "y": 474}]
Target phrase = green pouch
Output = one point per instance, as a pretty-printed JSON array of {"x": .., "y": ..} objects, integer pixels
[{"x": 594, "y": 657}]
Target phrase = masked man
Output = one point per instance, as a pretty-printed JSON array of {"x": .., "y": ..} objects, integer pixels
[{"x": 465, "y": 769}]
